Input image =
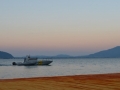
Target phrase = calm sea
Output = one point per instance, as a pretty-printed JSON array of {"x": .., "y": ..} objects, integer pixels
[{"x": 59, "y": 67}]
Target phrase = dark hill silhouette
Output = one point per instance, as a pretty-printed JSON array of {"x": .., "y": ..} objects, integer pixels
[
  {"x": 5, "y": 55},
  {"x": 110, "y": 53}
]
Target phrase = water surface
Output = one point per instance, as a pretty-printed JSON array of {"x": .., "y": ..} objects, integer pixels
[{"x": 59, "y": 67}]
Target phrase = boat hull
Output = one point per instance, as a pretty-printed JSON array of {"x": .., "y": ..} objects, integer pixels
[
  {"x": 44, "y": 62},
  {"x": 31, "y": 64}
]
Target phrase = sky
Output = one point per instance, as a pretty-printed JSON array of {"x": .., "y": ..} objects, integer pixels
[{"x": 52, "y": 27}]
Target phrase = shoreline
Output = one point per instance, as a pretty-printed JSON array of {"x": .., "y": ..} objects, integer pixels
[
  {"x": 110, "y": 81},
  {"x": 101, "y": 74}
]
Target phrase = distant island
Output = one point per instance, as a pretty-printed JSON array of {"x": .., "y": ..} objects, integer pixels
[
  {"x": 5, "y": 55},
  {"x": 110, "y": 53}
]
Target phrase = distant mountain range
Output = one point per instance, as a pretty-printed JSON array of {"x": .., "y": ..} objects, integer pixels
[
  {"x": 53, "y": 57},
  {"x": 110, "y": 53},
  {"x": 5, "y": 55}
]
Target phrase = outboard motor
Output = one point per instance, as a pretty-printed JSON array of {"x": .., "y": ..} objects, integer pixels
[{"x": 14, "y": 63}]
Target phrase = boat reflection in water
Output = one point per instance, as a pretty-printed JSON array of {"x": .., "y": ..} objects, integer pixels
[{"x": 32, "y": 61}]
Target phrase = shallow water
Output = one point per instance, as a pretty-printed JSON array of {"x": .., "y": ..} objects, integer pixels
[{"x": 59, "y": 67}]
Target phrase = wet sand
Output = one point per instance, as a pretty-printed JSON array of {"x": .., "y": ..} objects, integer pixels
[{"x": 76, "y": 82}]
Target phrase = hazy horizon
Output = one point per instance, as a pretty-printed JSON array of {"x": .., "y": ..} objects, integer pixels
[{"x": 52, "y": 27}]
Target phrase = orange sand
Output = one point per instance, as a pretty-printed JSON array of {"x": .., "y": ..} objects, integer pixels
[{"x": 77, "y": 82}]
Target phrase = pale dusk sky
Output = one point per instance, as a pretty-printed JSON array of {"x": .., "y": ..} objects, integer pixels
[{"x": 51, "y": 27}]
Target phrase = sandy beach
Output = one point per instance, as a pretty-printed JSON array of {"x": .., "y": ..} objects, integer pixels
[{"x": 76, "y": 82}]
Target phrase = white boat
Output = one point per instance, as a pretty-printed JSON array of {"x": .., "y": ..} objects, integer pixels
[{"x": 32, "y": 61}]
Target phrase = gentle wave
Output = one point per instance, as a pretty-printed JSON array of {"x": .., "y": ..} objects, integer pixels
[{"x": 5, "y": 64}]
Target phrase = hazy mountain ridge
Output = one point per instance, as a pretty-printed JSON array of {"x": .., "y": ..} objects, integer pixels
[
  {"x": 56, "y": 56},
  {"x": 109, "y": 53},
  {"x": 5, "y": 55}
]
